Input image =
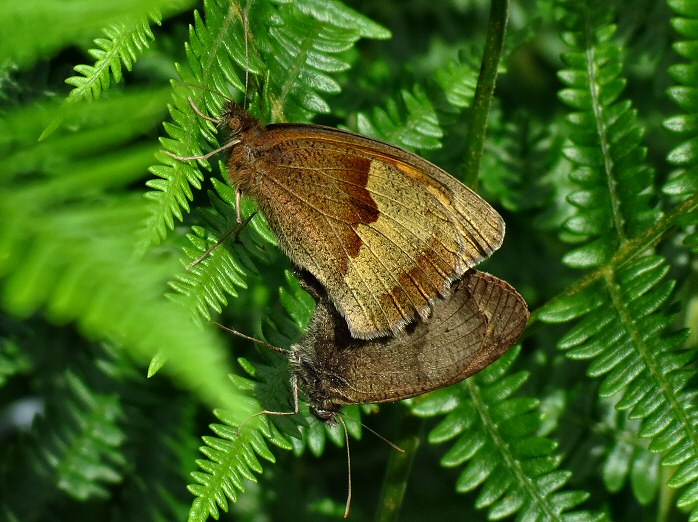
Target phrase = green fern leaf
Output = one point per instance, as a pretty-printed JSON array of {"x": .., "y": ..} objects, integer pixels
[
  {"x": 516, "y": 151},
  {"x": 496, "y": 441},
  {"x": 231, "y": 453},
  {"x": 310, "y": 46},
  {"x": 75, "y": 448},
  {"x": 683, "y": 183},
  {"x": 67, "y": 244},
  {"x": 417, "y": 129},
  {"x": 204, "y": 287},
  {"x": 123, "y": 45},
  {"x": 458, "y": 80},
  {"x": 230, "y": 458},
  {"x": 614, "y": 199}
]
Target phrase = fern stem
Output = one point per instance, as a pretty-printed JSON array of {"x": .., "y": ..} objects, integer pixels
[
  {"x": 650, "y": 360},
  {"x": 398, "y": 471},
  {"x": 601, "y": 128},
  {"x": 475, "y": 141},
  {"x": 294, "y": 72},
  {"x": 627, "y": 252},
  {"x": 509, "y": 460}
]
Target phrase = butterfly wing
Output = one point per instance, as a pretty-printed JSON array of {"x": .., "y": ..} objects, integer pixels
[
  {"x": 484, "y": 317},
  {"x": 383, "y": 230}
]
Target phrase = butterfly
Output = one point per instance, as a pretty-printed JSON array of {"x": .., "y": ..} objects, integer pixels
[
  {"x": 384, "y": 231},
  {"x": 482, "y": 319}
]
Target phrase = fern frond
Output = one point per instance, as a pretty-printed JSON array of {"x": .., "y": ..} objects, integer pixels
[
  {"x": 517, "y": 150},
  {"x": 413, "y": 125},
  {"x": 458, "y": 80},
  {"x": 204, "y": 286},
  {"x": 160, "y": 442},
  {"x": 626, "y": 459},
  {"x": 309, "y": 47},
  {"x": 231, "y": 457},
  {"x": 172, "y": 189},
  {"x": 624, "y": 310},
  {"x": 496, "y": 441},
  {"x": 282, "y": 328},
  {"x": 67, "y": 244},
  {"x": 615, "y": 197},
  {"x": 123, "y": 45},
  {"x": 413, "y": 120},
  {"x": 231, "y": 453},
  {"x": 624, "y": 332}
]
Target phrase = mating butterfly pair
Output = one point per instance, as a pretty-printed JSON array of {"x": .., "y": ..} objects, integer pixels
[{"x": 389, "y": 240}]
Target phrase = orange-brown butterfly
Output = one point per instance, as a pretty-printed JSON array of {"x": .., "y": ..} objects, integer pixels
[{"x": 384, "y": 231}]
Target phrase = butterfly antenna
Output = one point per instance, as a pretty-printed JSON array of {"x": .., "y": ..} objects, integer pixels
[
  {"x": 200, "y": 113},
  {"x": 381, "y": 437},
  {"x": 253, "y": 339},
  {"x": 346, "y": 439},
  {"x": 227, "y": 146},
  {"x": 247, "y": 53}
]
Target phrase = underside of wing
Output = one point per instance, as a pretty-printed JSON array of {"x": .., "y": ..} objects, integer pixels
[
  {"x": 383, "y": 230},
  {"x": 477, "y": 325}
]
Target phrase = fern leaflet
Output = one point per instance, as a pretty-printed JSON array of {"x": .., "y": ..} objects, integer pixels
[
  {"x": 495, "y": 433},
  {"x": 123, "y": 44}
]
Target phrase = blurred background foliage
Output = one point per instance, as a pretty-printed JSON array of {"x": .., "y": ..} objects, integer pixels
[{"x": 119, "y": 400}]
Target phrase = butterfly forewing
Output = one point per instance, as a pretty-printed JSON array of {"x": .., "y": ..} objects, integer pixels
[{"x": 384, "y": 231}]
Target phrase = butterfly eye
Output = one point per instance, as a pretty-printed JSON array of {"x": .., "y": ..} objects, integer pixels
[{"x": 235, "y": 125}]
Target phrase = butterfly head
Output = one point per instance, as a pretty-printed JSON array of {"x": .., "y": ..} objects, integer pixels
[
  {"x": 318, "y": 381},
  {"x": 240, "y": 122}
]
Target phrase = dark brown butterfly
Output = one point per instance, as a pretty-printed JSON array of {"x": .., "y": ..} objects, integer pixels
[
  {"x": 482, "y": 319},
  {"x": 384, "y": 231}
]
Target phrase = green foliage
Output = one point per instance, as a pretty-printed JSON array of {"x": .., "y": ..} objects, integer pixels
[
  {"x": 625, "y": 309},
  {"x": 123, "y": 45},
  {"x": 39, "y": 29},
  {"x": 514, "y": 468},
  {"x": 593, "y": 417},
  {"x": 683, "y": 182}
]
